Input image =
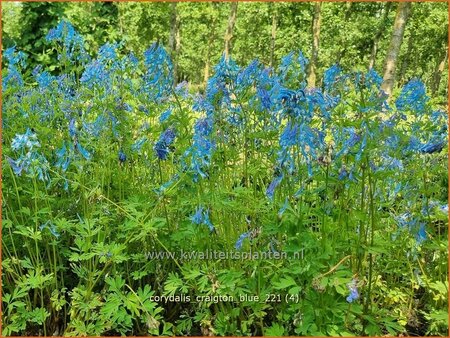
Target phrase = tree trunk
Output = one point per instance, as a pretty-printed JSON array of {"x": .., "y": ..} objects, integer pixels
[
  {"x": 438, "y": 73},
  {"x": 274, "y": 33},
  {"x": 394, "y": 47},
  {"x": 230, "y": 28},
  {"x": 174, "y": 38},
  {"x": 315, "y": 45},
  {"x": 376, "y": 39}
]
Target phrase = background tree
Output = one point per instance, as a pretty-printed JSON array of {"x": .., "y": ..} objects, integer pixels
[
  {"x": 36, "y": 19},
  {"x": 230, "y": 28},
  {"x": 394, "y": 47},
  {"x": 11, "y": 17},
  {"x": 385, "y": 10},
  {"x": 315, "y": 45},
  {"x": 174, "y": 38}
]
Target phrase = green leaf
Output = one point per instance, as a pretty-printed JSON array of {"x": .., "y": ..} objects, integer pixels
[
  {"x": 284, "y": 283},
  {"x": 276, "y": 330}
]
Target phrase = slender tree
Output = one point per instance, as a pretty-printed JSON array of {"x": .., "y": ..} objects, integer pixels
[
  {"x": 390, "y": 63},
  {"x": 230, "y": 28},
  {"x": 437, "y": 75},
  {"x": 315, "y": 45},
  {"x": 174, "y": 37}
]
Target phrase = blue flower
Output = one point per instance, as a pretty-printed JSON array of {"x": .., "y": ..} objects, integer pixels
[
  {"x": 350, "y": 142},
  {"x": 264, "y": 98},
  {"x": 431, "y": 147},
  {"x": 159, "y": 75},
  {"x": 16, "y": 61},
  {"x": 239, "y": 242},
  {"x": 143, "y": 109},
  {"x": 107, "y": 52},
  {"x": 197, "y": 218},
  {"x": 164, "y": 116},
  {"x": 94, "y": 74},
  {"x": 33, "y": 163},
  {"x": 207, "y": 221},
  {"x": 302, "y": 60},
  {"x": 247, "y": 76},
  {"x": 14, "y": 58},
  {"x": 343, "y": 173},
  {"x": 444, "y": 208},
  {"x": 72, "y": 128},
  {"x": 51, "y": 227},
  {"x": 421, "y": 235},
  {"x": 310, "y": 140},
  {"x": 122, "y": 156},
  {"x": 373, "y": 79},
  {"x": 226, "y": 69},
  {"x": 413, "y": 96},
  {"x": 202, "y": 104},
  {"x": 353, "y": 288},
  {"x": 182, "y": 89},
  {"x": 162, "y": 146},
  {"x": 168, "y": 136},
  {"x": 83, "y": 152},
  {"x": 72, "y": 42},
  {"x": 405, "y": 220},
  {"x": 289, "y": 137},
  {"x": 413, "y": 225},
  {"x": 439, "y": 116},
  {"x": 63, "y": 157},
  {"x": 161, "y": 149},
  {"x": 331, "y": 76},
  {"x": 16, "y": 165},
  {"x": 201, "y": 216},
  {"x": 44, "y": 79},
  {"x": 12, "y": 77},
  {"x": 25, "y": 141},
  {"x": 326, "y": 102},
  {"x": 202, "y": 148},
  {"x": 271, "y": 188},
  {"x": 203, "y": 127},
  {"x": 292, "y": 68},
  {"x": 133, "y": 59}
]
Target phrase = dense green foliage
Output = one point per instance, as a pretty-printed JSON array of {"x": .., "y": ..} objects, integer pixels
[{"x": 112, "y": 170}]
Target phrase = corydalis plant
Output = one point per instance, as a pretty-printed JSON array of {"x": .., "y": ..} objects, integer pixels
[
  {"x": 70, "y": 42},
  {"x": 201, "y": 216},
  {"x": 201, "y": 151},
  {"x": 163, "y": 145},
  {"x": 30, "y": 160}
]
